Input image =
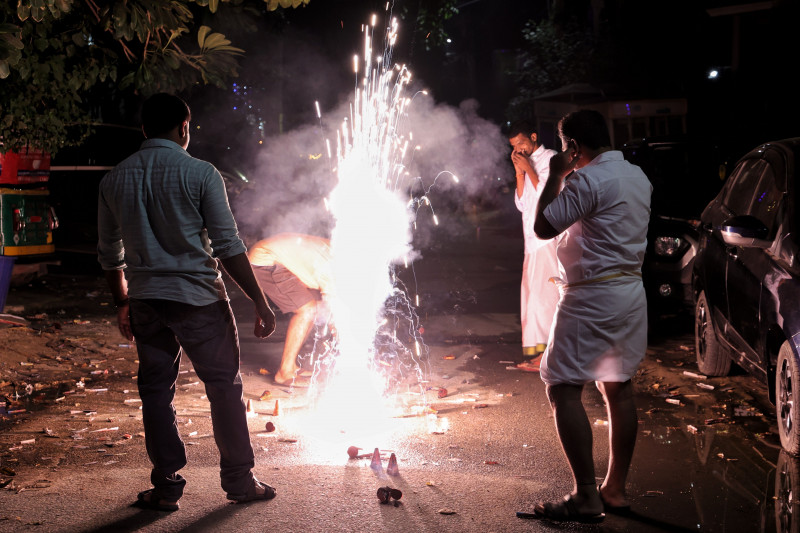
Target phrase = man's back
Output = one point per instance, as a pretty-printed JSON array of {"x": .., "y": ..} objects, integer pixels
[{"x": 161, "y": 202}]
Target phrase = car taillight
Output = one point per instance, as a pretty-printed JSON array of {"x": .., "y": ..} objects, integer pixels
[{"x": 667, "y": 246}]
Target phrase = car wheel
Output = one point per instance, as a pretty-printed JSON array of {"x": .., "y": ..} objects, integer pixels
[
  {"x": 787, "y": 485},
  {"x": 712, "y": 358},
  {"x": 787, "y": 389}
]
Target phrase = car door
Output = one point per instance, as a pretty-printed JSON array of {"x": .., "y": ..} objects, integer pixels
[
  {"x": 712, "y": 266},
  {"x": 747, "y": 267}
]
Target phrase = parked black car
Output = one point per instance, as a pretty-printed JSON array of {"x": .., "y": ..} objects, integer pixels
[
  {"x": 686, "y": 174},
  {"x": 747, "y": 279}
]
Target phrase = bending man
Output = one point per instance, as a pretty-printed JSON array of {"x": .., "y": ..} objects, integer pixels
[{"x": 294, "y": 271}]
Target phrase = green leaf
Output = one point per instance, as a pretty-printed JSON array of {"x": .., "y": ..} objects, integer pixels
[
  {"x": 23, "y": 12},
  {"x": 201, "y": 35}
]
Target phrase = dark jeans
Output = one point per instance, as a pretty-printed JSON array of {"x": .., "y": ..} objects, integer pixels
[{"x": 208, "y": 335}]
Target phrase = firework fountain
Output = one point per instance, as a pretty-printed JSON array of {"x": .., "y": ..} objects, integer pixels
[{"x": 375, "y": 366}]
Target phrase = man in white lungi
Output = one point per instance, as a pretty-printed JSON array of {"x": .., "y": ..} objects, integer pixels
[
  {"x": 600, "y": 329},
  {"x": 538, "y": 297}
]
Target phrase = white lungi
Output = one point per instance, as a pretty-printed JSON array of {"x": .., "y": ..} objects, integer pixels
[
  {"x": 600, "y": 333},
  {"x": 538, "y": 296}
]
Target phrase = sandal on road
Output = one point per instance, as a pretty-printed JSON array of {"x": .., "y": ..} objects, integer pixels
[
  {"x": 566, "y": 511},
  {"x": 532, "y": 365},
  {"x": 253, "y": 495},
  {"x": 149, "y": 499}
]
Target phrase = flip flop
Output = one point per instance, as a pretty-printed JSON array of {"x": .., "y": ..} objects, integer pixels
[
  {"x": 252, "y": 495},
  {"x": 619, "y": 510},
  {"x": 530, "y": 366},
  {"x": 565, "y": 511},
  {"x": 149, "y": 499}
]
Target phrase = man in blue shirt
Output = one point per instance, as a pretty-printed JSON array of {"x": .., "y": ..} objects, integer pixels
[{"x": 163, "y": 224}]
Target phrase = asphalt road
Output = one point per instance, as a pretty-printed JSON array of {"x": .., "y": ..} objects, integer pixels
[{"x": 708, "y": 460}]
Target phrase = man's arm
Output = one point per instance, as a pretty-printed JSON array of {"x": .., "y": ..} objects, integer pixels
[
  {"x": 239, "y": 269},
  {"x": 561, "y": 166},
  {"x": 119, "y": 292}
]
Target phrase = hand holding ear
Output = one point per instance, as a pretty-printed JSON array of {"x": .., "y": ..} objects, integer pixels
[{"x": 563, "y": 163}]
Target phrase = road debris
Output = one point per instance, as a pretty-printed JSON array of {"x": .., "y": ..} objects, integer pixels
[
  {"x": 386, "y": 494},
  {"x": 694, "y": 375}
]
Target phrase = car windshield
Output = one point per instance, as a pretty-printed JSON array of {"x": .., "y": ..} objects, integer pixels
[{"x": 685, "y": 177}]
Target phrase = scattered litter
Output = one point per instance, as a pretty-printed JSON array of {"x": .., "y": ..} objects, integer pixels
[
  {"x": 745, "y": 410},
  {"x": 674, "y": 401},
  {"x": 693, "y": 375},
  {"x": 652, "y": 493},
  {"x": 263, "y": 371},
  {"x": 507, "y": 362},
  {"x": 430, "y": 484},
  {"x": 386, "y": 494},
  {"x": 600, "y": 422},
  {"x": 442, "y": 392},
  {"x": 491, "y": 463},
  {"x": 96, "y": 390},
  {"x": 512, "y": 367},
  {"x": 475, "y": 356},
  {"x": 449, "y": 357},
  {"x": 132, "y": 400},
  {"x": 290, "y": 441},
  {"x": 265, "y": 395},
  {"x": 125, "y": 345},
  {"x": 480, "y": 406},
  {"x": 49, "y": 433},
  {"x": 28, "y": 441},
  {"x": 270, "y": 427},
  {"x": 445, "y": 510},
  {"x": 705, "y": 386},
  {"x": 692, "y": 429},
  {"x": 104, "y": 429}
]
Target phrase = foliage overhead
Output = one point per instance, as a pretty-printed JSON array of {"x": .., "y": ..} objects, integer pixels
[
  {"x": 55, "y": 55},
  {"x": 555, "y": 55}
]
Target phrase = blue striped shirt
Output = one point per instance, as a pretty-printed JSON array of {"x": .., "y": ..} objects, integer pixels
[{"x": 163, "y": 217}]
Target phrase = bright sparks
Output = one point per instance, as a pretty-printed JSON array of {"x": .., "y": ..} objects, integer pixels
[{"x": 372, "y": 376}]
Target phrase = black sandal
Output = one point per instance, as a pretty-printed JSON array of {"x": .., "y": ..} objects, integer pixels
[
  {"x": 252, "y": 495},
  {"x": 155, "y": 502},
  {"x": 565, "y": 511}
]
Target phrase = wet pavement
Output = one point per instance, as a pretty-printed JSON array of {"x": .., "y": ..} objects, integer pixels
[{"x": 73, "y": 458}]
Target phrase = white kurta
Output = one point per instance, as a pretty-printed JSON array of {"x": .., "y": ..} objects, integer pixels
[
  {"x": 538, "y": 296},
  {"x": 600, "y": 330}
]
